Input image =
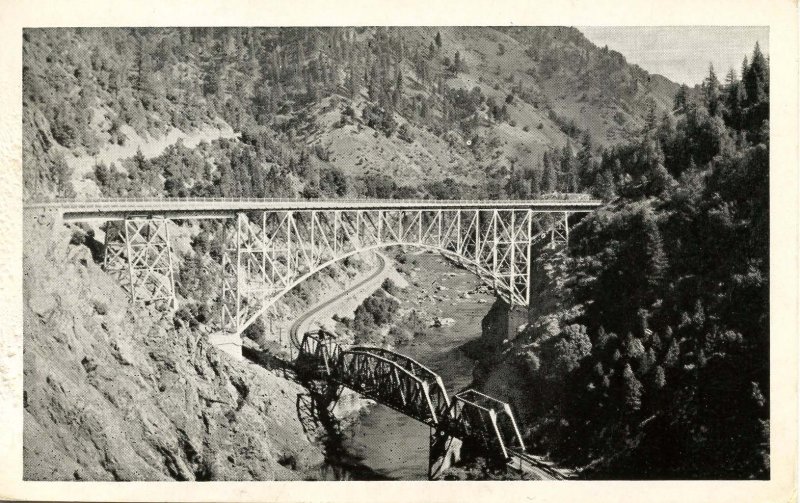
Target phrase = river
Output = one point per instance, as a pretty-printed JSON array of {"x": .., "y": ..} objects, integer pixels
[{"x": 385, "y": 444}]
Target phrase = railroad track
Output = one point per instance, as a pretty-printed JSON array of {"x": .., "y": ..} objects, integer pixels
[{"x": 525, "y": 463}]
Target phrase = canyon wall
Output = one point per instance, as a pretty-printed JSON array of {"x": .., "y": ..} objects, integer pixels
[{"x": 120, "y": 392}]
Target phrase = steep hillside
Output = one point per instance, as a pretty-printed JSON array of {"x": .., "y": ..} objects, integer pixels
[
  {"x": 660, "y": 325},
  {"x": 647, "y": 352},
  {"x": 393, "y": 109},
  {"x": 117, "y": 392},
  {"x": 342, "y": 112}
]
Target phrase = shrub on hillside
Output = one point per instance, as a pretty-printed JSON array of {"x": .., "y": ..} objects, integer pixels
[{"x": 376, "y": 310}]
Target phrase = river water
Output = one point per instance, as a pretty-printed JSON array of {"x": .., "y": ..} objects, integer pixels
[{"x": 384, "y": 443}]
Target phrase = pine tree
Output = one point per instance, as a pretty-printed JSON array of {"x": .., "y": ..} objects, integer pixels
[
  {"x": 654, "y": 251},
  {"x": 569, "y": 169},
  {"x": 550, "y": 174},
  {"x": 659, "y": 378},
  {"x": 605, "y": 340},
  {"x": 397, "y": 94},
  {"x": 438, "y": 39},
  {"x": 642, "y": 324},
  {"x": 673, "y": 354},
  {"x": 743, "y": 72},
  {"x": 699, "y": 316},
  {"x": 655, "y": 342},
  {"x": 647, "y": 361},
  {"x": 536, "y": 180},
  {"x": 734, "y": 95},
  {"x": 633, "y": 346},
  {"x": 756, "y": 83},
  {"x": 651, "y": 120},
  {"x": 62, "y": 178},
  {"x": 604, "y": 187},
  {"x": 457, "y": 62},
  {"x": 144, "y": 72},
  {"x": 681, "y": 99},
  {"x": 756, "y": 78},
  {"x": 711, "y": 92},
  {"x": 353, "y": 80},
  {"x": 585, "y": 164},
  {"x": 632, "y": 390}
]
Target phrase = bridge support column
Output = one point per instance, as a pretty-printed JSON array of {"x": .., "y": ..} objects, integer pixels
[
  {"x": 265, "y": 257},
  {"x": 140, "y": 255},
  {"x": 559, "y": 231},
  {"x": 230, "y": 298},
  {"x": 444, "y": 452}
]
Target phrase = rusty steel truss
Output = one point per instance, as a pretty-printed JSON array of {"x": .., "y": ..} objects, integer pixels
[
  {"x": 269, "y": 253},
  {"x": 407, "y": 386}
]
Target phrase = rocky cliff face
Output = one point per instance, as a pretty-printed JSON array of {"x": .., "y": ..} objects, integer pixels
[{"x": 116, "y": 392}]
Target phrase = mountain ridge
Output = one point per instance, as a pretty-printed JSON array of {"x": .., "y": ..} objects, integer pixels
[{"x": 394, "y": 98}]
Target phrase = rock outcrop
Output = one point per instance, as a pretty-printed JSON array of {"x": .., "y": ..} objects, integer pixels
[{"x": 116, "y": 392}]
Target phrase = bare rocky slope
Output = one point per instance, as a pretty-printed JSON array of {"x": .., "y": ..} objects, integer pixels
[{"x": 115, "y": 392}]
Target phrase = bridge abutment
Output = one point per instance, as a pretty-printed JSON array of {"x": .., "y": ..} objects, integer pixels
[{"x": 503, "y": 322}]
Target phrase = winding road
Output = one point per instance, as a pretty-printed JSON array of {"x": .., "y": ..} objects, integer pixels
[{"x": 301, "y": 321}]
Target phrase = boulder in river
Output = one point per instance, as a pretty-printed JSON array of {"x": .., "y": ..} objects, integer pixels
[{"x": 443, "y": 322}]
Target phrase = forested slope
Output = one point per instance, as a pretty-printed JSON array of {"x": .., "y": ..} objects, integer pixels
[
  {"x": 653, "y": 360},
  {"x": 648, "y": 355},
  {"x": 370, "y": 111}
]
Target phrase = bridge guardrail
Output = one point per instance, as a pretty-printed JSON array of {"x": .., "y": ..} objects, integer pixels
[{"x": 67, "y": 203}]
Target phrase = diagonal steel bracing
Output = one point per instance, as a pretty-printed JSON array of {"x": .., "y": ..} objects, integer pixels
[
  {"x": 272, "y": 247},
  {"x": 138, "y": 253},
  {"x": 268, "y": 254},
  {"x": 407, "y": 386},
  {"x": 485, "y": 420}
]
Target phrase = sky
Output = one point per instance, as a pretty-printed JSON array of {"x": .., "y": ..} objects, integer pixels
[{"x": 682, "y": 53}]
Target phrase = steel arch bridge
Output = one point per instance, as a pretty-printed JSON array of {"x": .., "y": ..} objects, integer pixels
[{"x": 272, "y": 245}]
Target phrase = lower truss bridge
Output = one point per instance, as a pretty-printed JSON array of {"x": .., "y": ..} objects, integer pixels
[{"x": 484, "y": 424}]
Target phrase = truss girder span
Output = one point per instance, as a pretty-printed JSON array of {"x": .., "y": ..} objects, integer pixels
[
  {"x": 268, "y": 253},
  {"x": 382, "y": 375},
  {"x": 485, "y": 420},
  {"x": 409, "y": 387}
]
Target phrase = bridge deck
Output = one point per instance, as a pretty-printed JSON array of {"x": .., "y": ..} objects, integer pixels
[{"x": 113, "y": 209}]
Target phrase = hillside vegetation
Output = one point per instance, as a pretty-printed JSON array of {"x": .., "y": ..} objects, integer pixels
[
  {"x": 311, "y": 112},
  {"x": 648, "y": 354},
  {"x": 383, "y": 112}
]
